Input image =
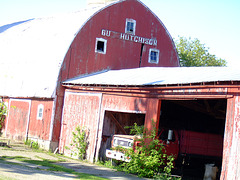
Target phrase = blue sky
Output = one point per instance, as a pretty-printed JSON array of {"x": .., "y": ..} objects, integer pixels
[{"x": 216, "y": 23}]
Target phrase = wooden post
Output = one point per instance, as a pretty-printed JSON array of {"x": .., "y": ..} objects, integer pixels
[
  {"x": 152, "y": 114},
  {"x": 231, "y": 148}
]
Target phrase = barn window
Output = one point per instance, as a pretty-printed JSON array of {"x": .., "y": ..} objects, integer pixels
[
  {"x": 101, "y": 45},
  {"x": 153, "y": 56},
  {"x": 40, "y": 112},
  {"x": 130, "y": 26}
]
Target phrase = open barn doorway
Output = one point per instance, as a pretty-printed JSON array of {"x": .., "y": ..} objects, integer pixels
[
  {"x": 116, "y": 123},
  {"x": 203, "y": 119}
]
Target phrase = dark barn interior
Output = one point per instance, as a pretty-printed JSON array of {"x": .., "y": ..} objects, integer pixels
[{"x": 204, "y": 116}]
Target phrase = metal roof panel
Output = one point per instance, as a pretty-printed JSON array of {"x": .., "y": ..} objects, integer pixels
[
  {"x": 32, "y": 52},
  {"x": 158, "y": 76}
]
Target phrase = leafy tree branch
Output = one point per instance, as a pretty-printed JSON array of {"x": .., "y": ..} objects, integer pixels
[{"x": 193, "y": 53}]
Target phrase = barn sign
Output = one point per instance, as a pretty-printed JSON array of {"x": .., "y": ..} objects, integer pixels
[{"x": 129, "y": 37}]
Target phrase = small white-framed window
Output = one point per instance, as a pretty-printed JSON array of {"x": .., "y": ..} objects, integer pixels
[
  {"x": 40, "y": 112},
  {"x": 130, "y": 26},
  {"x": 101, "y": 45},
  {"x": 153, "y": 56}
]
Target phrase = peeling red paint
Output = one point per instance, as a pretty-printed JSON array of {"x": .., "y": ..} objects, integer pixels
[
  {"x": 79, "y": 110},
  {"x": 83, "y": 109},
  {"x": 22, "y": 122},
  {"x": 231, "y": 152},
  {"x": 40, "y": 129},
  {"x": 18, "y": 119}
]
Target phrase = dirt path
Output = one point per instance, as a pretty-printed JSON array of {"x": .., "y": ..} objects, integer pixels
[{"x": 11, "y": 168}]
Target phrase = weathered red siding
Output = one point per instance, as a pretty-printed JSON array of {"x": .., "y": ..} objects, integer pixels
[
  {"x": 58, "y": 105},
  {"x": 124, "y": 103},
  {"x": 82, "y": 110},
  {"x": 125, "y": 100},
  {"x": 81, "y": 57},
  {"x": 18, "y": 118},
  {"x": 22, "y": 123},
  {"x": 88, "y": 110},
  {"x": 231, "y": 149},
  {"x": 40, "y": 129},
  {"x": 153, "y": 113}
]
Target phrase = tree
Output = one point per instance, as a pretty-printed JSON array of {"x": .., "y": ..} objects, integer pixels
[{"x": 192, "y": 53}]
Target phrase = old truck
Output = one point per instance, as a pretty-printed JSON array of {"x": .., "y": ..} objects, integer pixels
[
  {"x": 186, "y": 146},
  {"x": 126, "y": 141}
]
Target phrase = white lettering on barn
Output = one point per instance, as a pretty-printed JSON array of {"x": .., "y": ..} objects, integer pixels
[{"x": 129, "y": 37}]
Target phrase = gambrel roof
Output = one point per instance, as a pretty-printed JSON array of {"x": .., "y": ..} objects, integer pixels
[{"x": 32, "y": 52}]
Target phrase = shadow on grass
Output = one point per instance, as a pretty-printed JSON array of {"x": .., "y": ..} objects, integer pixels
[{"x": 46, "y": 163}]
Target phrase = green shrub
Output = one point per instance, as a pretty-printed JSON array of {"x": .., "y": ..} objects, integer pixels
[
  {"x": 35, "y": 145},
  {"x": 79, "y": 142},
  {"x": 148, "y": 159},
  {"x": 135, "y": 129},
  {"x": 32, "y": 144},
  {"x": 3, "y": 111}
]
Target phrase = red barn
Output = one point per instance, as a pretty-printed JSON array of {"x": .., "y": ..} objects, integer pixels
[
  {"x": 38, "y": 54},
  {"x": 125, "y": 34},
  {"x": 106, "y": 67}
]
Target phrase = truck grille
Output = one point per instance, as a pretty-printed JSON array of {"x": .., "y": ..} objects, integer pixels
[{"x": 127, "y": 143}]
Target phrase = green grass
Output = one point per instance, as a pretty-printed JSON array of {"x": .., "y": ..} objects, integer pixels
[
  {"x": 50, "y": 164},
  {"x": 5, "y": 178}
]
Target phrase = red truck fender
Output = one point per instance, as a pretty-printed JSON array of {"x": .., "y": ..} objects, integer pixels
[{"x": 170, "y": 140}]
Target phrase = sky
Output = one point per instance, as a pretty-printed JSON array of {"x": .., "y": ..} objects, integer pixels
[{"x": 216, "y": 23}]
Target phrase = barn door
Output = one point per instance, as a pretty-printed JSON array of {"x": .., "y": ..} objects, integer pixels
[
  {"x": 18, "y": 119},
  {"x": 80, "y": 109}
]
